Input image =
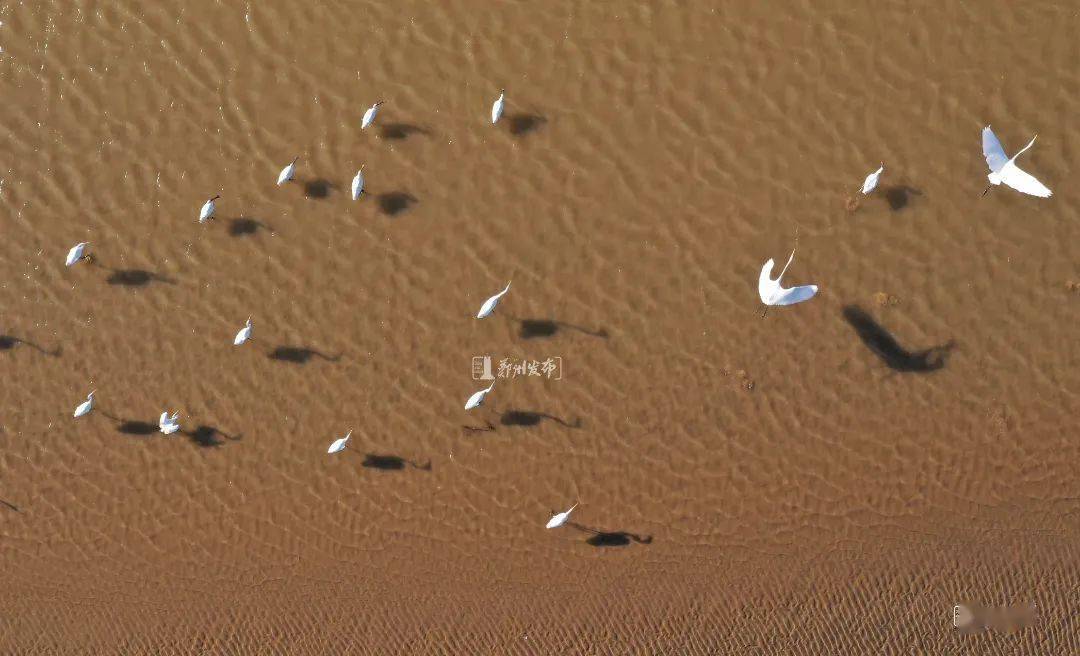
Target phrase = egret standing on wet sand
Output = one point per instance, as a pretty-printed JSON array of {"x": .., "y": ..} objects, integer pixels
[
  {"x": 244, "y": 334},
  {"x": 1003, "y": 169},
  {"x": 288, "y": 172},
  {"x": 339, "y": 444},
  {"x": 478, "y": 398},
  {"x": 871, "y": 180},
  {"x": 208, "y": 208},
  {"x": 358, "y": 183},
  {"x": 497, "y": 107},
  {"x": 85, "y": 407},
  {"x": 369, "y": 115},
  {"x": 559, "y": 519},
  {"x": 77, "y": 252},
  {"x": 489, "y": 305}
]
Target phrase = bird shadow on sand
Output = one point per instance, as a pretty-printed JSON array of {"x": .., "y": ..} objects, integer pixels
[
  {"x": 881, "y": 342},
  {"x": 393, "y": 203},
  {"x": 299, "y": 355},
  {"x": 131, "y": 277},
  {"x": 10, "y": 505},
  {"x": 132, "y": 426},
  {"x": 402, "y": 131},
  {"x": 244, "y": 226},
  {"x": 610, "y": 538},
  {"x": 523, "y": 123},
  {"x": 208, "y": 437},
  {"x": 528, "y": 418},
  {"x": 9, "y": 342},
  {"x": 541, "y": 328},
  {"x": 318, "y": 188},
  {"x": 384, "y": 462},
  {"x": 899, "y": 196}
]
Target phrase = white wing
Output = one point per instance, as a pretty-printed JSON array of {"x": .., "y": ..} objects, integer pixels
[
  {"x": 1022, "y": 181},
  {"x": 163, "y": 419},
  {"x": 765, "y": 284},
  {"x": 497, "y": 110},
  {"x": 992, "y": 150},
  {"x": 795, "y": 295},
  {"x": 241, "y": 336}
]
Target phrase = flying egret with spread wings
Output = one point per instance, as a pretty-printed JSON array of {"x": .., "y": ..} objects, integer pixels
[
  {"x": 773, "y": 293},
  {"x": 1003, "y": 169}
]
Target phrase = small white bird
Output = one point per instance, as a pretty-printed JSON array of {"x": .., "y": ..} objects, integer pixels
[
  {"x": 339, "y": 444},
  {"x": 559, "y": 519},
  {"x": 872, "y": 180},
  {"x": 773, "y": 293},
  {"x": 77, "y": 253},
  {"x": 244, "y": 334},
  {"x": 476, "y": 399},
  {"x": 498, "y": 106},
  {"x": 288, "y": 172},
  {"x": 86, "y": 406},
  {"x": 208, "y": 208},
  {"x": 1003, "y": 169},
  {"x": 369, "y": 115},
  {"x": 489, "y": 305},
  {"x": 358, "y": 183},
  {"x": 169, "y": 425}
]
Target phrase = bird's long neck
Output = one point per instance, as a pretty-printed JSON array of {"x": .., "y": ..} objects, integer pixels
[
  {"x": 779, "y": 277},
  {"x": 1030, "y": 144}
]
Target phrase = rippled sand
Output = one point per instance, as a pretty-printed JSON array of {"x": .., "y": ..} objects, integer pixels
[{"x": 829, "y": 480}]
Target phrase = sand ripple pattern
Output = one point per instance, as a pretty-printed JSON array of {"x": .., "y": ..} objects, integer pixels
[{"x": 761, "y": 487}]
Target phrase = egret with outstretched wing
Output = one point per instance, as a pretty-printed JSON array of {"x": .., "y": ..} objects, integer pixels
[
  {"x": 1003, "y": 169},
  {"x": 773, "y": 293}
]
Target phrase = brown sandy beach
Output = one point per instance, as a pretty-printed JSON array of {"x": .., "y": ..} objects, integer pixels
[{"x": 829, "y": 480}]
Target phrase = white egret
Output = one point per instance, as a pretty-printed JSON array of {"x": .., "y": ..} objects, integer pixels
[
  {"x": 77, "y": 252},
  {"x": 872, "y": 180},
  {"x": 244, "y": 334},
  {"x": 339, "y": 444},
  {"x": 169, "y": 425},
  {"x": 358, "y": 183},
  {"x": 288, "y": 172},
  {"x": 86, "y": 406},
  {"x": 559, "y": 519},
  {"x": 498, "y": 106},
  {"x": 369, "y": 115},
  {"x": 208, "y": 208},
  {"x": 1003, "y": 169},
  {"x": 773, "y": 293},
  {"x": 476, "y": 399},
  {"x": 489, "y": 305}
]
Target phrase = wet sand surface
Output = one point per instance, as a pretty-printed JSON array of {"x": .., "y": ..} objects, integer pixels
[{"x": 831, "y": 479}]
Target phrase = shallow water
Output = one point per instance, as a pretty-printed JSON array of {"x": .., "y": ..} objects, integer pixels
[{"x": 831, "y": 479}]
